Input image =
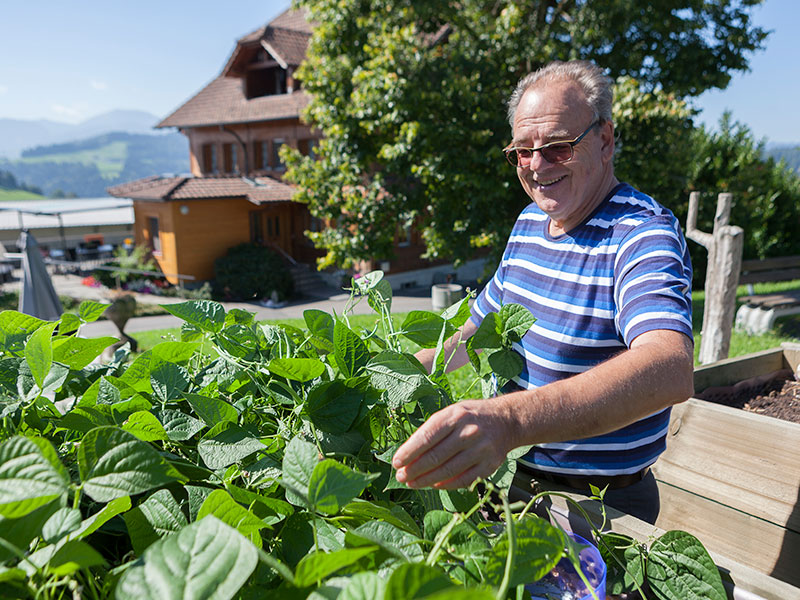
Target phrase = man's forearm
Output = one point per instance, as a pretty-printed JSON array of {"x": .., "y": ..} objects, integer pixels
[{"x": 455, "y": 354}]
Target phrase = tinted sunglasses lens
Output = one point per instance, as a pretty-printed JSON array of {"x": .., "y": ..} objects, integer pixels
[{"x": 557, "y": 153}]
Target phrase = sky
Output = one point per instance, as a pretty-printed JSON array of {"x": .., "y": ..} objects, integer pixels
[{"x": 69, "y": 61}]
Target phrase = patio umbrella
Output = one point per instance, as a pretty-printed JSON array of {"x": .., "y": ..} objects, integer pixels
[{"x": 38, "y": 297}]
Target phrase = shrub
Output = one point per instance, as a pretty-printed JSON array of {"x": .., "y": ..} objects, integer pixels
[
  {"x": 138, "y": 259},
  {"x": 252, "y": 271}
]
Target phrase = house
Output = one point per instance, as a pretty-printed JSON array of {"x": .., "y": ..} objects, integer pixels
[{"x": 236, "y": 126}]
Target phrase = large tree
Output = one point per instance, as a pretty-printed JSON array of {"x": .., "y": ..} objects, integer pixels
[{"x": 410, "y": 97}]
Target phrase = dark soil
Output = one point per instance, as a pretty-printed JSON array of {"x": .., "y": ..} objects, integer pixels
[{"x": 774, "y": 395}]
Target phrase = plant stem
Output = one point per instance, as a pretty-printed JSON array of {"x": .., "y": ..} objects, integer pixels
[{"x": 512, "y": 550}]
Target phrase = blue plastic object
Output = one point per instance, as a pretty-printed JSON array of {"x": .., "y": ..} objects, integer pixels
[{"x": 553, "y": 587}]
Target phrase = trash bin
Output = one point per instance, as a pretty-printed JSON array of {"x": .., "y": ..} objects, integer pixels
[{"x": 445, "y": 294}]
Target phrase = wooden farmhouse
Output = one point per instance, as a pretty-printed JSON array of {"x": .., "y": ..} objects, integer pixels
[{"x": 236, "y": 126}]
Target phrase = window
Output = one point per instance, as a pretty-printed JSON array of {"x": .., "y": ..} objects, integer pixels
[
  {"x": 155, "y": 238},
  {"x": 266, "y": 82},
  {"x": 229, "y": 158},
  {"x": 404, "y": 238},
  {"x": 209, "y": 158},
  {"x": 260, "y": 155},
  {"x": 277, "y": 163},
  {"x": 307, "y": 147}
]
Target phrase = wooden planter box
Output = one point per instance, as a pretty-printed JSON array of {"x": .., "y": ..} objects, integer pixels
[{"x": 732, "y": 477}]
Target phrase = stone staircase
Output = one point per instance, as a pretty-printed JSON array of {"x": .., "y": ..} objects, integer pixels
[{"x": 308, "y": 282}]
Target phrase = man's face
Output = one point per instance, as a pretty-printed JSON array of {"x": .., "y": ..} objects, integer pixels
[{"x": 568, "y": 192}]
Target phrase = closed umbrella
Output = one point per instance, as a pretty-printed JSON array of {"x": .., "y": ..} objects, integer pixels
[{"x": 38, "y": 297}]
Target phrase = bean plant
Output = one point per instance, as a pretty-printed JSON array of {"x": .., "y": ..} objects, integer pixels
[{"x": 248, "y": 460}]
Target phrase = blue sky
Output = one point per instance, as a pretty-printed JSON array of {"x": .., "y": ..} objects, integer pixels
[{"x": 68, "y": 61}]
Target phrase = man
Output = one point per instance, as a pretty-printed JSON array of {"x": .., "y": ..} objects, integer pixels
[{"x": 606, "y": 272}]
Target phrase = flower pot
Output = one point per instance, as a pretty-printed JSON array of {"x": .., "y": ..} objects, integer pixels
[
  {"x": 563, "y": 582},
  {"x": 444, "y": 295}
]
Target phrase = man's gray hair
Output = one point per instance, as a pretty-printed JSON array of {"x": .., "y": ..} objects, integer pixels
[{"x": 597, "y": 86}]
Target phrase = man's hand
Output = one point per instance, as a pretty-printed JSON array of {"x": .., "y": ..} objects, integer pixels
[{"x": 455, "y": 446}]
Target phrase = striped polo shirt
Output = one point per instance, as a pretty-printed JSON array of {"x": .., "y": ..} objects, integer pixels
[{"x": 624, "y": 271}]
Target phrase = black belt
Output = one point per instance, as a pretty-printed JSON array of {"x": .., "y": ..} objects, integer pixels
[{"x": 583, "y": 482}]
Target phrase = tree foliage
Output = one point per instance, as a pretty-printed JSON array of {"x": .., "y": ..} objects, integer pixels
[{"x": 410, "y": 97}]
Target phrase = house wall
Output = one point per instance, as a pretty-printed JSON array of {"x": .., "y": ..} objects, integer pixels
[
  {"x": 290, "y": 131},
  {"x": 191, "y": 242}
]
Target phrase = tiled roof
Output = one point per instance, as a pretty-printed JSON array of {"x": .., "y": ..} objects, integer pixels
[
  {"x": 290, "y": 46},
  {"x": 258, "y": 191},
  {"x": 223, "y": 102}
]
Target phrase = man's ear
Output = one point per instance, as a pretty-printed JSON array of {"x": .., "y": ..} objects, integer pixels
[{"x": 609, "y": 142}]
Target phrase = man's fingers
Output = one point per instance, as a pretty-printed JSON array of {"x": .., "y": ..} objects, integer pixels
[
  {"x": 456, "y": 465},
  {"x": 430, "y": 433}
]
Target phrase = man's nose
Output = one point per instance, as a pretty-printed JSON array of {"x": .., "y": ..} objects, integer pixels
[{"x": 537, "y": 161}]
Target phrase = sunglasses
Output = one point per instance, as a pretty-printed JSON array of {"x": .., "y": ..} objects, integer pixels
[{"x": 554, "y": 152}]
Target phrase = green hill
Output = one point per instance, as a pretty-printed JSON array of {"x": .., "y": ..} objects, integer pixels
[
  {"x": 87, "y": 167},
  {"x": 789, "y": 154}
]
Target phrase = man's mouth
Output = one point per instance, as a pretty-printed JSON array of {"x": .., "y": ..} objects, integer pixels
[{"x": 548, "y": 182}]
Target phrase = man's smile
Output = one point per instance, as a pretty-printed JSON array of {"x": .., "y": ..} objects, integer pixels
[{"x": 547, "y": 182}]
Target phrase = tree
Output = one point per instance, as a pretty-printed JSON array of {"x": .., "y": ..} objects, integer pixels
[{"x": 410, "y": 97}]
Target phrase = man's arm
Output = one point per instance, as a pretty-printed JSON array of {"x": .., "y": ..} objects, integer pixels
[
  {"x": 453, "y": 349},
  {"x": 471, "y": 439}
]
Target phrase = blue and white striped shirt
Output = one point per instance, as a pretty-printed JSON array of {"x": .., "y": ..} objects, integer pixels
[{"x": 624, "y": 271}]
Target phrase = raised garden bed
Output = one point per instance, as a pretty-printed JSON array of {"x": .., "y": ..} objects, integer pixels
[{"x": 732, "y": 476}]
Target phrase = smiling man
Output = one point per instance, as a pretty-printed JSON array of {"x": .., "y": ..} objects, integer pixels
[{"x": 605, "y": 270}]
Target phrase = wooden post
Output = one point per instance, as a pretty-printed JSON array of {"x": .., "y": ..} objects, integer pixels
[{"x": 722, "y": 276}]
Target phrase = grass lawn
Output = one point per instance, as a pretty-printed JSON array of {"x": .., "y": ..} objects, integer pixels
[{"x": 15, "y": 195}]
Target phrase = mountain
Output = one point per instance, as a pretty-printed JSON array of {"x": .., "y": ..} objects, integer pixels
[
  {"x": 17, "y": 135},
  {"x": 87, "y": 167},
  {"x": 789, "y": 153}
]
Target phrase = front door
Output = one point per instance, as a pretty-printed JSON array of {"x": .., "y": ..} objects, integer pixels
[{"x": 270, "y": 228}]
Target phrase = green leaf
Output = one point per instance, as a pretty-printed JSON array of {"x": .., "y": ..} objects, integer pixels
[
  {"x": 320, "y": 565},
  {"x": 515, "y": 321},
  {"x": 380, "y": 293},
  {"x": 539, "y": 548},
  {"x": 332, "y": 485},
  {"x": 226, "y": 444},
  {"x": 212, "y": 410},
  {"x": 77, "y": 353},
  {"x": 458, "y": 313},
  {"x": 73, "y": 556},
  {"x": 207, "y": 559},
  {"x": 238, "y": 316},
  {"x": 297, "y": 369},
  {"x": 145, "y": 426},
  {"x": 157, "y": 517},
  {"x": 15, "y": 328},
  {"x": 320, "y": 324},
  {"x": 86, "y": 418},
  {"x": 114, "y": 463},
  {"x": 416, "y": 580},
  {"x": 178, "y": 425},
  {"x": 396, "y": 541},
  {"x": 220, "y": 504},
  {"x": 458, "y": 500},
  {"x": 68, "y": 323},
  {"x": 350, "y": 352},
  {"x": 506, "y": 363},
  {"x": 299, "y": 460},
  {"x": 28, "y": 479},
  {"x": 204, "y": 314},
  {"x": 488, "y": 334},
  {"x": 678, "y": 566},
  {"x": 333, "y": 406},
  {"x": 63, "y": 522},
  {"x": 173, "y": 352},
  {"x": 39, "y": 352},
  {"x": 392, "y": 513},
  {"x": 366, "y": 585},
  {"x": 91, "y": 524},
  {"x": 21, "y": 531},
  {"x": 89, "y": 310},
  {"x": 169, "y": 381},
  {"x": 401, "y": 377},
  {"x": 424, "y": 328}
]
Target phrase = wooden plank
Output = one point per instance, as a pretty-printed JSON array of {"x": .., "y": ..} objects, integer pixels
[
  {"x": 733, "y": 370},
  {"x": 767, "y": 264},
  {"x": 766, "y": 276},
  {"x": 743, "y": 460},
  {"x": 771, "y": 300},
  {"x": 744, "y": 539}
]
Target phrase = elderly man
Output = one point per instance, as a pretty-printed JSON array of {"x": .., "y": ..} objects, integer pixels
[{"x": 606, "y": 272}]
